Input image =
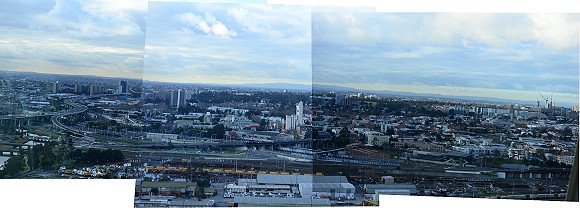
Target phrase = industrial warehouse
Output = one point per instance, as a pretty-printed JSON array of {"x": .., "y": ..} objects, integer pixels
[{"x": 290, "y": 190}]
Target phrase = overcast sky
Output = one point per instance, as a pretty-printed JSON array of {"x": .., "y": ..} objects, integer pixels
[
  {"x": 508, "y": 56},
  {"x": 493, "y": 55},
  {"x": 229, "y": 43},
  {"x": 101, "y": 37}
]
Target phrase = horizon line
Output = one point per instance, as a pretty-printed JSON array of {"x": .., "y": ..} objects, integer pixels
[{"x": 348, "y": 88}]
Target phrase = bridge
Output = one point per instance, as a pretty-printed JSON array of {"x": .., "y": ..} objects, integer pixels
[
  {"x": 69, "y": 102},
  {"x": 25, "y": 116},
  {"x": 77, "y": 108},
  {"x": 224, "y": 144},
  {"x": 537, "y": 173},
  {"x": 15, "y": 148}
]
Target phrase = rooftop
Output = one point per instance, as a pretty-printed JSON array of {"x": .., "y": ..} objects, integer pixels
[
  {"x": 166, "y": 184},
  {"x": 272, "y": 201},
  {"x": 297, "y": 179}
]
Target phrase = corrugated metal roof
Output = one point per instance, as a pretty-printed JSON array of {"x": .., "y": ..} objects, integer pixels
[
  {"x": 265, "y": 201},
  {"x": 394, "y": 191},
  {"x": 234, "y": 186},
  {"x": 269, "y": 187},
  {"x": 371, "y": 188},
  {"x": 327, "y": 185},
  {"x": 390, "y": 186},
  {"x": 297, "y": 179},
  {"x": 191, "y": 203},
  {"x": 147, "y": 184},
  {"x": 247, "y": 180}
]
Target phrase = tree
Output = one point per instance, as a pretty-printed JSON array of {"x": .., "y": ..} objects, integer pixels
[
  {"x": 343, "y": 138},
  {"x": 263, "y": 123},
  {"x": 204, "y": 182},
  {"x": 390, "y": 131},
  {"x": 96, "y": 156},
  {"x": 13, "y": 166},
  {"x": 44, "y": 156},
  {"x": 154, "y": 190},
  {"x": 386, "y": 145},
  {"x": 566, "y": 133},
  {"x": 311, "y": 134},
  {"x": 308, "y": 133},
  {"x": 219, "y": 130},
  {"x": 438, "y": 138},
  {"x": 184, "y": 109}
]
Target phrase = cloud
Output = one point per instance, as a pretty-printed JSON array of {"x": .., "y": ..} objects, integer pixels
[
  {"x": 558, "y": 31},
  {"x": 194, "y": 40},
  {"x": 80, "y": 19},
  {"x": 208, "y": 24},
  {"x": 284, "y": 24},
  {"x": 101, "y": 37},
  {"x": 494, "y": 51},
  {"x": 56, "y": 54},
  {"x": 554, "y": 31},
  {"x": 418, "y": 53}
]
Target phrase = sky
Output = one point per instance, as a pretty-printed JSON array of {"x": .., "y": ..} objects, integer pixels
[
  {"x": 506, "y": 56},
  {"x": 490, "y": 55},
  {"x": 229, "y": 43},
  {"x": 101, "y": 37}
]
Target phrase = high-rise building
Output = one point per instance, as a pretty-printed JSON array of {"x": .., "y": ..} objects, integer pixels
[
  {"x": 123, "y": 87},
  {"x": 78, "y": 88},
  {"x": 300, "y": 112},
  {"x": 188, "y": 94},
  {"x": 338, "y": 99},
  {"x": 207, "y": 118},
  {"x": 177, "y": 98},
  {"x": 55, "y": 87},
  {"x": 174, "y": 98},
  {"x": 291, "y": 122},
  {"x": 94, "y": 89}
]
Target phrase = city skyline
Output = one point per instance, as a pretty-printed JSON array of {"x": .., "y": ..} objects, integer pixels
[
  {"x": 505, "y": 56},
  {"x": 534, "y": 52}
]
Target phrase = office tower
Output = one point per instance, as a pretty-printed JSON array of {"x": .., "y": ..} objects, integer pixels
[
  {"x": 188, "y": 94},
  {"x": 56, "y": 87},
  {"x": 177, "y": 98},
  {"x": 94, "y": 89},
  {"x": 78, "y": 88},
  {"x": 300, "y": 113},
  {"x": 123, "y": 87},
  {"x": 291, "y": 122}
]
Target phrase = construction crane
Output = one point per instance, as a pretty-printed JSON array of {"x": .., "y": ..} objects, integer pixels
[
  {"x": 545, "y": 98},
  {"x": 551, "y": 103}
]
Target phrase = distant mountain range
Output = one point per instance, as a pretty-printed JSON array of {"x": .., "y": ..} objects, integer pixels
[
  {"x": 316, "y": 87},
  {"x": 326, "y": 88},
  {"x": 277, "y": 86}
]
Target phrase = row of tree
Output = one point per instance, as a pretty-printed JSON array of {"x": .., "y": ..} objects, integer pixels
[
  {"x": 96, "y": 156},
  {"x": 13, "y": 166}
]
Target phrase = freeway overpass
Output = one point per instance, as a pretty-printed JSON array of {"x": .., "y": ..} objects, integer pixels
[
  {"x": 70, "y": 102},
  {"x": 224, "y": 144}
]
